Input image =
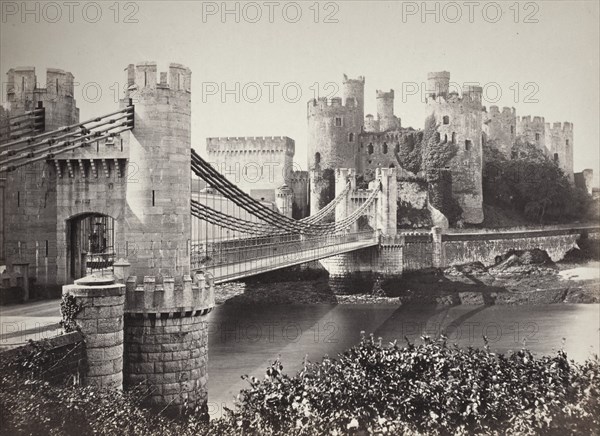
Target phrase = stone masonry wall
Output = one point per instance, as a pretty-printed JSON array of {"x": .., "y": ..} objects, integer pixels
[{"x": 171, "y": 355}]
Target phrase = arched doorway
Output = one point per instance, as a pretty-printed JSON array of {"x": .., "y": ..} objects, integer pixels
[{"x": 90, "y": 245}]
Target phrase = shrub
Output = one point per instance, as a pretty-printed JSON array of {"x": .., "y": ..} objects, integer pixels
[{"x": 431, "y": 388}]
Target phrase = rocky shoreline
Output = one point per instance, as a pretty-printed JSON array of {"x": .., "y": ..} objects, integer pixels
[{"x": 523, "y": 280}]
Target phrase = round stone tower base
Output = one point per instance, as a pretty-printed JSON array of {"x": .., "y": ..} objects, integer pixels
[{"x": 169, "y": 356}]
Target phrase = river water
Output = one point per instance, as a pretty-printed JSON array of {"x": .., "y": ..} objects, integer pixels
[{"x": 243, "y": 339}]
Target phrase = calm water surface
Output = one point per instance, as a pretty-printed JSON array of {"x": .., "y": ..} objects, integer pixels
[{"x": 244, "y": 339}]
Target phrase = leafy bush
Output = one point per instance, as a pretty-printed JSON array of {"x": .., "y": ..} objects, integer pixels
[
  {"x": 431, "y": 388},
  {"x": 532, "y": 185}
]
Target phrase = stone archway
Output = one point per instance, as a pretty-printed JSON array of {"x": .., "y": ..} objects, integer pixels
[{"x": 90, "y": 244}]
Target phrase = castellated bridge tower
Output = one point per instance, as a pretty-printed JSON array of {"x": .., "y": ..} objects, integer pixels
[
  {"x": 30, "y": 197},
  {"x": 146, "y": 326},
  {"x": 459, "y": 121},
  {"x": 333, "y": 129},
  {"x": 158, "y": 194}
]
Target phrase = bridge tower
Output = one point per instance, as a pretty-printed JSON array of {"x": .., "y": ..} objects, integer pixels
[{"x": 30, "y": 194}]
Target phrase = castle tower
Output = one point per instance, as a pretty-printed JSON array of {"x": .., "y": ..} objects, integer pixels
[
  {"x": 533, "y": 131},
  {"x": 438, "y": 84},
  {"x": 559, "y": 142},
  {"x": 385, "y": 111},
  {"x": 158, "y": 203},
  {"x": 30, "y": 220},
  {"x": 459, "y": 122},
  {"x": 502, "y": 128},
  {"x": 166, "y": 334},
  {"x": 333, "y": 129},
  {"x": 371, "y": 124},
  {"x": 353, "y": 92}
]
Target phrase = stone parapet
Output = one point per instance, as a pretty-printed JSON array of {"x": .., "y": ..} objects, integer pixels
[{"x": 161, "y": 296}]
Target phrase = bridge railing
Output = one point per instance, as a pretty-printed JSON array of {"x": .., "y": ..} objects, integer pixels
[{"x": 235, "y": 251}]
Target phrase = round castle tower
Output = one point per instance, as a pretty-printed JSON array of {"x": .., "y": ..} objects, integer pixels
[
  {"x": 385, "y": 111},
  {"x": 333, "y": 129},
  {"x": 165, "y": 337},
  {"x": 460, "y": 122},
  {"x": 158, "y": 188},
  {"x": 438, "y": 84}
]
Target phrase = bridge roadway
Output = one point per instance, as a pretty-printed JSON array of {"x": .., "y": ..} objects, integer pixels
[{"x": 239, "y": 258}]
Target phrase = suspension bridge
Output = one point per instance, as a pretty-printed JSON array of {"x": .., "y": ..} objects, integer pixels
[{"x": 245, "y": 238}]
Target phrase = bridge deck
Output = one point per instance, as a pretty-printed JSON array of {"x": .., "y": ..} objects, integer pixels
[{"x": 234, "y": 263}]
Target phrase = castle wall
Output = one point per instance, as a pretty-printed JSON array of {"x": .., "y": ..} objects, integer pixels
[
  {"x": 460, "y": 119},
  {"x": 502, "y": 128},
  {"x": 585, "y": 180},
  {"x": 532, "y": 131},
  {"x": 258, "y": 165},
  {"x": 380, "y": 149}
]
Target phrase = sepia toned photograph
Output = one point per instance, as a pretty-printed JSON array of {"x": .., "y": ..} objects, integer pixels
[{"x": 303, "y": 218}]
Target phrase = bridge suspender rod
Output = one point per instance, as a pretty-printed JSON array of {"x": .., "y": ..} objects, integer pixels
[{"x": 31, "y": 139}]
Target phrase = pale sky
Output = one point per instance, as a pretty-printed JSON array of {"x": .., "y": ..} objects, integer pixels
[{"x": 554, "y": 60}]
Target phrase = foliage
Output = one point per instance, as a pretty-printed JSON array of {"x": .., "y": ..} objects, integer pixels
[
  {"x": 328, "y": 193},
  {"x": 532, "y": 185},
  {"x": 436, "y": 154},
  {"x": 431, "y": 388},
  {"x": 69, "y": 308},
  {"x": 410, "y": 154},
  {"x": 409, "y": 217}
]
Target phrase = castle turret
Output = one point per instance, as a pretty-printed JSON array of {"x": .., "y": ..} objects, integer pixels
[
  {"x": 459, "y": 123},
  {"x": 502, "y": 128},
  {"x": 371, "y": 124},
  {"x": 438, "y": 84},
  {"x": 353, "y": 92},
  {"x": 160, "y": 147},
  {"x": 333, "y": 129},
  {"x": 284, "y": 198},
  {"x": 385, "y": 111}
]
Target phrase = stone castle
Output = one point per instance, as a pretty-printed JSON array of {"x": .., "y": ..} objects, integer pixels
[{"x": 340, "y": 136}]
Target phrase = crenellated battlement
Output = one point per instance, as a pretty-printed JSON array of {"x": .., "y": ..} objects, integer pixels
[
  {"x": 508, "y": 111},
  {"x": 250, "y": 144},
  {"x": 22, "y": 83},
  {"x": 358, "y": 80},
  {"x": 384, "y": 94},
  {"x": 162, "y": 296},
  {"x": 558, "y": 126},
  {"x": 323, "y": 105},
  {"x": 144, "y": 76}
]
